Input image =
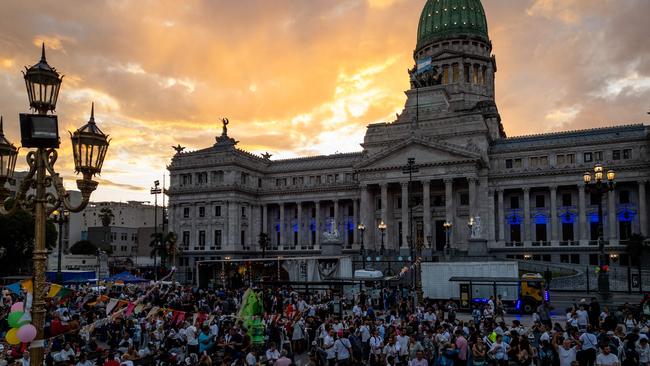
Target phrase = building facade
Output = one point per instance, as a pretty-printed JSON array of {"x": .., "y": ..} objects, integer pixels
[{"x": 526, "y": 192}]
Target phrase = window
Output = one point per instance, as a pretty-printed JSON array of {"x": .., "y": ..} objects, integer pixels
[
  {"x": 616, "y": 154},
  {"x": 539, "y": 201},
  {"x": 515, "y": 233},
  {"x": 244, "y": 178},
  {"x": 123, "y": 248},
  {"x": 201, "y": 239},
  {"x": 587, "y": 157},
  {"x": 543, "y": 161},
  {"x": 564, "y": 258},
  {"x": 124, "y": 236},
  {"x": 625, "y": 230},
  {"x": 466, "y": 73},
  {"x": 216, "y": 177},
  {"x": 455, "y": 73},
  {"x": 332, "y": 211},
  {"x": 202, "y": 178},
  {"x": 475, "y": 74},
  {"x": 566, "y": 199},
  {"x": 575, "y": 258},
  {"x": 508, "y": 163},
  {"x": 217, "y": 239},
  {"x": 186, "y": 212},
  {"x": 217, "y": 210},
  {"x": 593, "y": 259},
  {"x": 567, "y": 231},
  {"x": 518, "y": 163},
  {"x": 627, "y": 153},
  {"x": 593, "y": 231},
  {"x": 438, "y": 201},
  {"x": 514, "y": 201},
  {"x": 280, "y": 182},
  {"x": 623, "y": 197},
  {"x": 186, "y": 238},
  {"x": 201, "y": 211},
  {"x": 540, "y": 232},
  {"x": 242, "y": 237},
  {"x": 445, "y": 74},
  {"x": 464, "y": 199},
  {"x": 243, "y": 212},
  {"x": 533, "y": 162},
  {"x": 483, "y": 76},
  {"x": 546, "y": 257},
  {"x": 560, "y": 160},
  {"x": 598, "y": 155}
]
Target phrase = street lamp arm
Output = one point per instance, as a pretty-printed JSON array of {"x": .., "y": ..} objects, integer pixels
[
  {"x": 21, "y": 200},
  {"x": 62, "y": 198}
]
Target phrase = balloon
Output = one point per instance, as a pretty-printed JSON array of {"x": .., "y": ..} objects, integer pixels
[
  {"x": 19, "y": 306},
  {"x": 12, "y": 337},
  {"x": 26, "y": 333},
  {"x": 15, "y": 321}
]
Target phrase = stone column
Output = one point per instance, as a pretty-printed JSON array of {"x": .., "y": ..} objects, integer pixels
[
  {"x": 336, "y": 213},
  {"x": 472, "y": 196},
  {"x": 384, "y": 214},
  {"x": 355, "y": 220},
  {"x": 582, "y": 214},
  {"x": 553, "y": 215},
  {"x": 449, "y": 206},
  {"x": 491, "y": 225},
  {"x": 282, "y": 231},
  {"x": 502, "y": 215},
  {"x": 299, "y": 222},
  {"x": 643, "y": 213},
  {"x": 317, "y": 225},
  {"x": 265, "y": 219},
  {"x": 365, "y": 218},
  {"x": 426, "y": 206},
  {"x": 527, "y": 214},
  {"x": 251, "y": 226},
  {"x": 405, "y": 214},
  {"x": 611, "y": 215}
]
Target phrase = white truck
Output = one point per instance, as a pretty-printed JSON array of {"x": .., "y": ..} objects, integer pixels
[{"x": 436, "y": 282}]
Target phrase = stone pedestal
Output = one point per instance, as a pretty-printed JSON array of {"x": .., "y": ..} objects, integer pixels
[
  {"x": 331, "y": 248},
  {"x": 477, "y": 248}
]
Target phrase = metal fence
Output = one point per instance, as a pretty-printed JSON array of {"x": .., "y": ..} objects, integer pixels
[{"x": 621, "y": 279}]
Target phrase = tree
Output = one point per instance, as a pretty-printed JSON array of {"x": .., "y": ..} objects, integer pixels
[
  {"x": 264, "y": 243},
  {"x": 106, "y": 215},
  {"x": 84, "y": 247},
  {"x": 17, "y": 241}
]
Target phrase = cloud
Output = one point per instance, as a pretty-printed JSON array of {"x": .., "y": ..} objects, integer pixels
[{"x": 303, "y": 77}]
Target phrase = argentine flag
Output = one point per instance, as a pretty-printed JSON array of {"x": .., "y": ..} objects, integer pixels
[{"x": 424, "y": 64}]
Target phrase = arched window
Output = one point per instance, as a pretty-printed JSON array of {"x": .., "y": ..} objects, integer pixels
[{"x": 445, "y": 74}]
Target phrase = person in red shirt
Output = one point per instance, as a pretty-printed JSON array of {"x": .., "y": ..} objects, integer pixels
[{"x": 111, "y": 361}]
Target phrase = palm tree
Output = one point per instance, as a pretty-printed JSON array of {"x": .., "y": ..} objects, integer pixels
[
  {"x": 162, "y": 246},
  {"x": 106, "y": 216}
]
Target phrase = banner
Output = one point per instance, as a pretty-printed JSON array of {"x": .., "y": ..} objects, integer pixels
[{"x": 54, "y": 289}]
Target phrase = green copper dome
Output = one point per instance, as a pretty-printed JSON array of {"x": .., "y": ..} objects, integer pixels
[{"x": 442, "y": 19}]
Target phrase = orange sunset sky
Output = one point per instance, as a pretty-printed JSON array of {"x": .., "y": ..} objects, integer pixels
[{"x": 302, "y": 77}]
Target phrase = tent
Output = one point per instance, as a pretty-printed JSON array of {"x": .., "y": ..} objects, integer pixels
[
  {"x": 69, "y": 277},
  {"x": 125, "y": 277}
]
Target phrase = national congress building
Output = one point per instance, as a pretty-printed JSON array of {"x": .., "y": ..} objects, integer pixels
[{"x": 526, "y": 191}]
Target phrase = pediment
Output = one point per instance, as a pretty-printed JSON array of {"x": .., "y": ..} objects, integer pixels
[
  {"x": 424, "y": 152},
  {"x": 445, "y": 54}
]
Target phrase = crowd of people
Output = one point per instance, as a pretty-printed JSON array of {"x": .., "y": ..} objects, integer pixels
[{"x": 308, "y": 329}]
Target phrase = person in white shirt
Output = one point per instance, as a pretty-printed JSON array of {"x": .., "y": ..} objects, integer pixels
[
  {"x": 342, "y": 348},
  {"x": 606, "y": 358},
  {"x": 567, "y": 353},
  {"x": 643, "y": 349},
  {"x": 328, "y": 346},
  {"x": 376, "y": 344},
  {"x": 65, "y": 354},
  {"x": 392, "y": 348},
  {"x": 192, "y": 340},
  {"x": 403, "y": 340},
  {"x": 356, "y": 310},
  {"x": 272, "y": 354},
  {"x": 251, "y": 359}
]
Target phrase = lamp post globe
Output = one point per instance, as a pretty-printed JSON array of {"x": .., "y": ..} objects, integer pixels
[
  {"x": 43, "y": 83},
  {"x": 382, "y": 229},
  {"x": 8, "y": 155}
]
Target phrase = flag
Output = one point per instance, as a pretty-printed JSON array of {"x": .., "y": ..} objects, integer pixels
[
  {"x": 15, "y": 288},
  {"x": 129, "y": 309},
  {"x": 27, "y": 285},
  {"x": 110, "y": 306},
  {"x": 138, "y": 309},
  {"x": 63, "y": 293},
  {"x": 180, "y": 318},
  {"x": 54, "y": 289},
  {"x": 424, "y": 64}
]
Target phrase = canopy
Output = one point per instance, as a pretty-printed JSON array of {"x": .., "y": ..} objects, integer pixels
[
  {"x": 125, "y": 277},
  {"x": 69, "y": 277}
]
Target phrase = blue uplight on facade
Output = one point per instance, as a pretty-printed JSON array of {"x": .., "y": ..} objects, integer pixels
[
  {"x": 568, "y": 218},
  {"x": 541, "y": 219}
]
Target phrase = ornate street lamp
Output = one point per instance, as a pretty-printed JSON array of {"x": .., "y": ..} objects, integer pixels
[
  {"x": 447, "y": 225},
  {"x": 61, "y": 218},
  {"x": 40, "y": 131},
  {"x": 600, "y": 187},
  {"x": 362, "y": 250},
  {"x": 382, "y": 229}
]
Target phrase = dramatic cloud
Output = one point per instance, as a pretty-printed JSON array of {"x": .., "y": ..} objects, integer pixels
[{"x": 302, "y": 77}]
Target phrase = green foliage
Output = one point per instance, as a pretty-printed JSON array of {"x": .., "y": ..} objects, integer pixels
[
  {"x": 83, "y": 247},
  {"x": 106, "y": 215},
  {"x": 17, "y": 241}
]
